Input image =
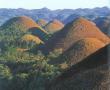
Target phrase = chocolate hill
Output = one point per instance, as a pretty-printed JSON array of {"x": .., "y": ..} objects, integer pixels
[
  {"x": 104, "y": 24},
  {"x": 72, "y": 32},
  {"x": 54, "y": 26},
  {"x": 42, "y": 22},
  {"x": 24, "y": 24},
  {"x": 80, "y": 50},
  {"x": 91, "y": 73}
]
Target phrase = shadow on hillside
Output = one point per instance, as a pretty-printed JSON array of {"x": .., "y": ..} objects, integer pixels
[
  {"x": 94, "y": 66},
  {"x": 95, "y": 60},
  {"x": 37, "y": 32}
]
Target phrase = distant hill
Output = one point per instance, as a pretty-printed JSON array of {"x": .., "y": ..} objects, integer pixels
[
  {"x": 71, "y": 18},
  {"x": 47, "y": 14},
  {"x": 104, "y": 24},
  {"x": 54, "y": 26},
  {"x": 41, "y": 22},
  {"x": 72, "y": 32},
  {"x": 80, "y": 50},
  {"x": 91, "y": 73},
  {"x": 88, "y": 16}
]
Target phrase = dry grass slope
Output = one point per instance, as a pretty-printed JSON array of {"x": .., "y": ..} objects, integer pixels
[
  {"x": 23, "y": 23},
  {"x": 91, "y": 73},
  {"x": 32, "y": 38},
  {"x": 74, "y": 31},
  {"x": 54, "y": 26},
  {"x": 22, "y": 49},
  {"x": 80, "y": 50},
  {"x": 42, "y": 22}
]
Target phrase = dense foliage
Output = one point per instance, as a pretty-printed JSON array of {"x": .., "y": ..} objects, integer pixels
[
  {"x": 21, "y": 70},
  {"x": 26, "y": 74},
  {"x": 25, "y": 71}
]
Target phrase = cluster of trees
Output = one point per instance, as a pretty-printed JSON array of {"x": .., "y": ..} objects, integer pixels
[
  {"x": 23, "y": 70},
  {"x": 13, "y": 38},
  {"x": 26, "y": 71}
]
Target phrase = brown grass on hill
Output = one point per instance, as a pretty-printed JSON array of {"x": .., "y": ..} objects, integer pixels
[
  {"x": 74, "y": 31},
  {"x": 80, "y": 50},
  {"x": 28, "y": 22},
  {"x": 54, "y": 26},
  {"x": 91, "y": 73},
  {"x": 41, "y": 22},
  {"x": 22, "y": 49},
  {"x": 22, "y": 23},
  {"x": 32, "y": 38}
]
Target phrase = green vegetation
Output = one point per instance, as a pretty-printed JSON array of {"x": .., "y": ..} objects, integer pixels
[
  {"x": 26, "y": 74},
  {"x": 24, "y": 67},
  {"x": 23, "y": 70}
]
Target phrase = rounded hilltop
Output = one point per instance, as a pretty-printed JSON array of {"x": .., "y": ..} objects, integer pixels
[
  {"x": 22, "y": 23},
  {"x": 79, "y": 29},
  {"x": 79, "y": 51},
  {"x": 23, "y": 32},
  {"x": 54, "y": 26},
  {"x": 92, "y": 73},
  {"x": 41, "y": 22}
]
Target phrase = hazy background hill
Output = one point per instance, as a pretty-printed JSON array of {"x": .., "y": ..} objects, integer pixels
[{"x": 47, "y": 14}]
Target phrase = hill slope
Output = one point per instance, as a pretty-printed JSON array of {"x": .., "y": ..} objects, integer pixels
[
  {"x": 80, "y": 50},
  {"x": 32, "y": 38},
  {"x": 54, "y": 26},
  {"x": 71, "y": 18},
  {"x": 23, "y": 25},
  {"x": 74, "y": 31},
  {"x": 104, "y": 24},
  {"x": 90, "y": 74},
  {"x": 42, "y": 22}
]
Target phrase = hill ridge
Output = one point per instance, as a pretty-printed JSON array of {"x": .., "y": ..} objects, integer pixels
[{"x": 74, "y": 31}]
